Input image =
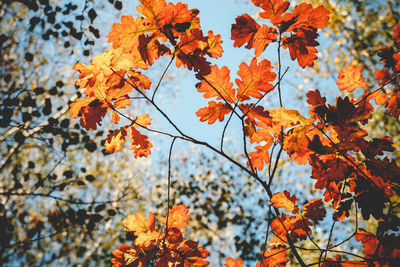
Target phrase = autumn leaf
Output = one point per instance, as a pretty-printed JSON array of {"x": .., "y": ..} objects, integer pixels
[
  {"x": 243, "y": 31},
  {"x": 302, "y": 47},
  {"x": 139, "y": 143},
  {"x": 126, "y": 34},
  {"x": 143, "y": 120},
  {"x": 115, "y": 140},
  {"x": 230, "y": 262},
  {"x": 139, "y": 224},
  {"x": 264, "y": 36},
  {"x": 261, "y": 156},
  {"x": 217, "y": 84},
  {"x": 350, "y": 78},
  {"x": 254, "y": 79},
  {"x": 213, "y": 112},
  {"x": 177, "y": 217},
  {"x": 314, "y": 210},
  {"x": 284, "y": 200},
  {"x": 214, "y": 45},
  {"x": 272, "y": 8},
  {"x": 275, "y": 256}
]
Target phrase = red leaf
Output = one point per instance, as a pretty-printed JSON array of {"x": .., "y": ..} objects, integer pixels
[
  {"x": 140, "y": 145},
  {"x": 213, "y": 112},
  {"x": 302, "y": 47},
  {"x": 314, "y": 210},
  {"x": 243, "y": 31}
]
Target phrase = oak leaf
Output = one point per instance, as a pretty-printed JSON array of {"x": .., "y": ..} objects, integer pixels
[
  {"x": 284, "y": 200},
  {"x": 243, "y": 31},
  {"x": 276, "y": 256},
  {"x": 254, "y": 79},
  {"x": 213, "y": 112},
  {"x": 272, "y": 8},
  {"x": 217, "y": 84},
  {"x": 177, "y": 217},
  {"x": 139, "y": 143},
  {"x": 115, "y": 140},
  {"x": 264, "y": 36},
  {"x": 230, "y": 262},
  {"x": 350, "y": 78},
  {"x": 314, "y": 210}
]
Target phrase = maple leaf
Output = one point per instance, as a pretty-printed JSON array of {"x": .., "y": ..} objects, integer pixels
[
  {"x": 314, "y": 210},
  {"x": 221, "y": 85},
  {"x": 254, "y": 79},
  {"x": 177, "y": 217},
  {"x": 115, "y": 140},
  {"x": 276, "y": 256},
  {"x": 243, "y": 31},
  {"x": 350, "y": 78},
  {"x": 230, "y": 262},
  {"x": 284, "y": 200},
  {"x": 213, "y": 112},
  {"x": 264, "y": 36},
  {"x": 139, "y": 224},
  {"x": 260, "y": 156},
  {"x": 139, "y": 143},
  {"x": 272, "y": 8}
]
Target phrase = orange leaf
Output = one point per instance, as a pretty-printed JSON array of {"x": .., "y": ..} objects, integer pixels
[
  {"x": 314, "y": 210},
  {"x": 350, "y": 78},
  {"x": 139, "y": 224},
  {"x": 126, "y": 34},
  {"x": 276, "y": 256},
  {"x": 115, "y": 140},
  {"x": 220, "y": 81},
  {"x": 243, "y": 31},
  {"x": 213, "y": 112},
  {"x": 230, "y": 262},
  {"x": 272, "y": 8},
  {"x": 260, "y": 156},
  {"x": 214, "y": 45},
  {"x": 143, "y": 120},
  {"x": 254, "y": 79},
  {"x": 264, "y": 36},
  {"x": 177, "y": 217},
  {"x": 284, "y": 200}
]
